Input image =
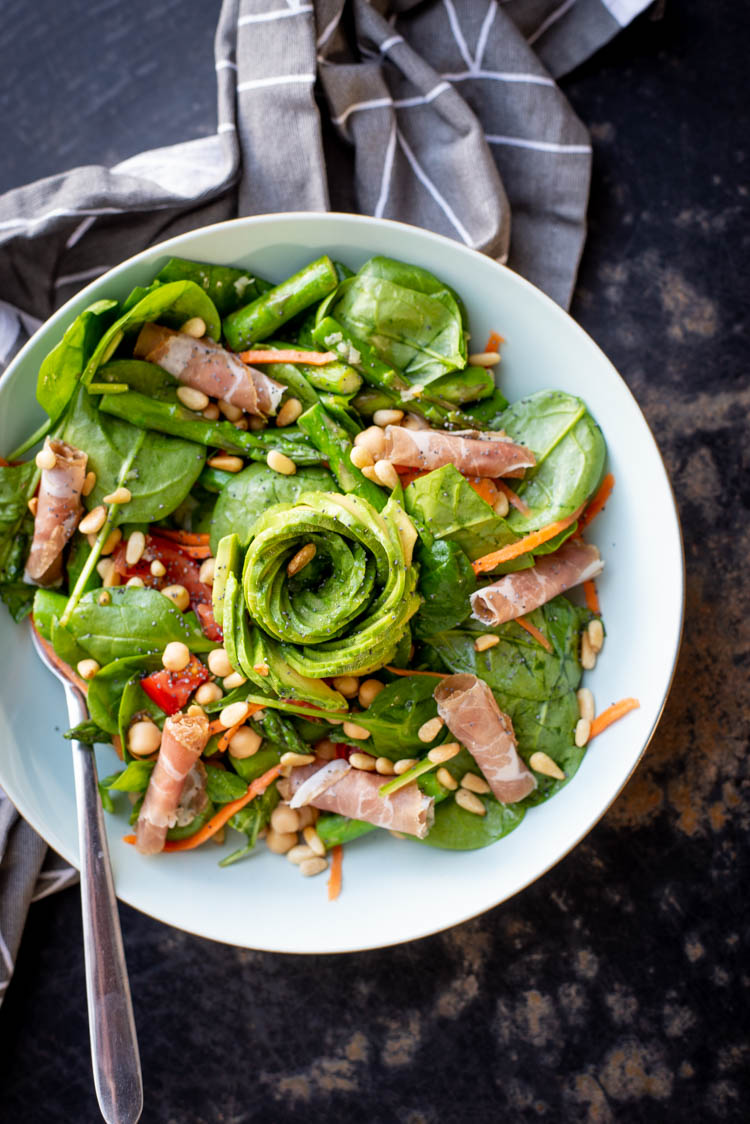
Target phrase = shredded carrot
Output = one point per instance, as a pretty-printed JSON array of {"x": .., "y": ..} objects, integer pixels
[
  {"x": 334, "y": 881},
  {"x": 494, "y": 340},
  {"x": 185, "y": 538},
  {"x": 485, "y": 488},
  {"x": 404, "y": 671},
  {"x": 592, "y": 597},
  {"x": 612, "y": 714},
  {"x": 224, "y": 815},
  {"x": 603, "y": 492},
  {"x": 270, "y": 355},
  {"x": 534, "y": 631},
  {"x": 513, "y": 498},
  {"x": 217, "y": 726},
  {"x": 227, "y": 736},
  {"x": 524, "y": 545}
]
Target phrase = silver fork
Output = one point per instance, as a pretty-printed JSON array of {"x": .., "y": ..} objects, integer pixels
[{"x": 114, "y": 1044}]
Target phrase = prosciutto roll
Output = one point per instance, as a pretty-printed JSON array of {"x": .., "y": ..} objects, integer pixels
[
  {"x": 468, "y": 708},
  {"x": 206, "y": 366},
  {"x": 516, "y": 594},
  {"x": 183, "y": 740},
  {"x": 58, "y": 511},
  {"x": 354, "y": 793},
  {"x": 471, "y": 452}
]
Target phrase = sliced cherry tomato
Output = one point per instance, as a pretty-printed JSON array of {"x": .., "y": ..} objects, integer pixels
[
  {"x": 170, "y": 690},
  {"x": 205, "y": 615},
  {"x": 180, "y": 569}
]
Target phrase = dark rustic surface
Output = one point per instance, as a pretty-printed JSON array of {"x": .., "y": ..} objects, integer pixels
[{"x": 616, "y": 988}]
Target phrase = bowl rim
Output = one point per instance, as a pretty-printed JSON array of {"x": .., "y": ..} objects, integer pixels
[{"x": 82, "y": 297}]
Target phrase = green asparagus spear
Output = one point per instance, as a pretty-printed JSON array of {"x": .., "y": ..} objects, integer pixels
[
  {"x": 172, "y": 418},
  {"x": 330, "y": 437},
  {"x": 265, "y": 315}
]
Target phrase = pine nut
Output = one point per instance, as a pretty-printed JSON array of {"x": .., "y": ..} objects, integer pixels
[
  {"x": 111, "y": 541},
  {"x": 94, "y": 521},
  {"x": 45, "y": 458},
  {"x": 310, "y": 867},
  {"x": 487, "y": 640},
  {"x": 475, "y": 783},
  {"x": 300, "y": 853},
  {"x": 233, "y": 680},
  {"x": 347, "y": 685},
  {"x": 229, "y": 410},
  {"x": 362, "y": 761},
  {"x": 192, "y": 398},
  {"x": 588, "y": 655},
  {"x": 307, "y": 815},
  {"x": 256, "y": 424},
  {"x": 105, "y": 568},
  {"x": 261, "y": 668},
  {"x": 87, "y": 669},
  {"x": 384, "y": 766},
  {"x": 297, "y": 759},
  {"x": 233, "y": 714},
  {"x": 303, "y": 556},
  {"x": 135, "y": 547},
  {"x": 313, "y": 840},
  {"x": 289, "y": 412},
  {"x": 207, "y": 571},
  {"x": 543, "y": 763},
  {"x": 242, "y": 424},
  {"x": 352, "y": 730},
  {"x": 89, "y": 484},
  {"x": 33, "y": 504},
  {"x": 179, "y": 595},
  {"x": 208, "y": 693},
  {"x": 585, "y": 703},
  {"x": 218, "y": 663},
  {"x": 226, "y": 462},
  {"x": 120, "y": 495},
  {"x": 470, "y": 802},
  {"x": 157, "y": 569},
  {"x": 403, "y": 766},
  {"x": 195, "y": 709},
  {"x": 361, "y": 457},
  {"x": 279, "y": 462},
  {"x": 176, "y": 656},
  {"x": 429, "y": 730},
  {"x": 280, "y": 842},
  {"x": 144, "y": 738},
  {"x": 583, "y": 732},
  {"x": 211, "y": 413},
  {"x": 325, "y": 749},
  {"x": 369, "y": 473},
  {"x": 195, "y": 327},
  {"x": 369, "y": 691},
  {"x": 442, "y": 753},
  {"x": 386, "y": 474},
  {"x": 446, "y": 779},
  {"x": 245, "y": 743},
  {"x": 104, "y": 598},
  {"x": 284, "y": 819},
  {"x": 382, "y": 418},
  {"x": 596, "y": 635},
  {"x": 135, "y": 583},
  {"x": 501, "y": 507},
  {"x": 484, "y": 359},
  {"x": 372, "y": 439},
  {"x": 414, "y": 421}
]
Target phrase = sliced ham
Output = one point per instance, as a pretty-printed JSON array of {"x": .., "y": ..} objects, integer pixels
[
  {"x": 183, "y": 740},
  {"x": 469, "y": 710},
  {"x": 207, "y": 366},
  {"x": 471, "y": 452},
  {"x": 58, "y": 511},
  {"x": 354, "y": 793},
  {"x": 517, "y": 594}
]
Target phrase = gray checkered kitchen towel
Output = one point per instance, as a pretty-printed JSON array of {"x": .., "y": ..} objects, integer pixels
[{"x": 455, "y": 122}]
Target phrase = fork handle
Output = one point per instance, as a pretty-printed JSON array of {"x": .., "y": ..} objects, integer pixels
[{"x": 114, "y": 1045}]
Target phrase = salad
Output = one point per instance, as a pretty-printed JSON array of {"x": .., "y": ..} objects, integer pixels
[{"x": 308, "y": 563}]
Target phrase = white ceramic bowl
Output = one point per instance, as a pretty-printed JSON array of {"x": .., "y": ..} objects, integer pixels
[{"x": 393, "y": 891}]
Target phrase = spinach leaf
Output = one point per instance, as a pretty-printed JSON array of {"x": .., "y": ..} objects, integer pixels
[
  {"x": 257, "y": 487},
  {"x": 16, "y": 523},
  {"x": 455, "y": 829},
  {"x": 394, "y": 719},
  {"x": 446, "y": 581},
  {"x": 47, "y": 605},
  {"x": 195, "y": 824},
  {"x": 79, "y": 552},
  {"x": 548, "y": 727},
  {"x": 162, "y": 474},
  {"x": 570, "y": 453},
  {"x": 250, "y": 768},
  {"x": 88, "y": 733},
  {"x": 144, "y": 377},
  {"x": 134, "y": 701},
  {"x": 228, "y": 288},
  {"x": 487, "y": 414},
  {"x": 223, "y": 786},
  {"x": 412, "y": 319},
  {"x": 136, "y": 622},
  {"x": 249, "y": 820},
  {"x": 65, "y": 644},
  {"x": 61, "y": 370},
  {"x": 449, "y": 508},
  {"x": 106, "y": 689},
  {"x": 133, "y": 778},
  {"x": 19, "y": 598}
]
